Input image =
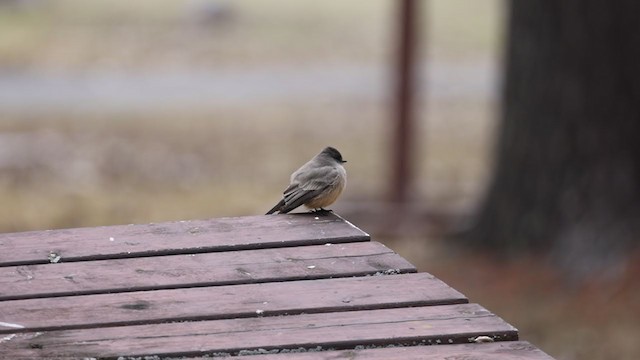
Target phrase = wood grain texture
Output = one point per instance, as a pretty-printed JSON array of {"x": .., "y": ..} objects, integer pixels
[
  {"x": 181, "y": 237},
  {"x": 504, "y": 350},
  {"x": 227, "y": 302},
  {"x": 342, "y": 330},
  {"x": 181, "y": 271}
]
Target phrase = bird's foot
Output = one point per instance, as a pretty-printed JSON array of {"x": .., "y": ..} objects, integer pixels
[{"x": 321, "y": 211}]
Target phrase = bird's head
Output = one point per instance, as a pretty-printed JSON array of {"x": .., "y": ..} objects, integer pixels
[{"x": 333, "y": 153}]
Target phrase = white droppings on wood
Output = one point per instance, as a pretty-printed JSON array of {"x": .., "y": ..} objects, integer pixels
[
  {"x": 481, "y": 339},
  {"x": 54, "y": 257},
  {"x": 7, "y": 338},
  {"x": 10, "y": 325}
]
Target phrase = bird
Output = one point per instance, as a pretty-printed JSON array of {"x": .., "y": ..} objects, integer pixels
[{"x": 316, "y": 184}]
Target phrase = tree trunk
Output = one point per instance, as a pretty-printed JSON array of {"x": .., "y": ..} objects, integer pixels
[{"x": 567, "y": 165}]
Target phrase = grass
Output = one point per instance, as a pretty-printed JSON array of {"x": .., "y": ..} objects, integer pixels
[{"x": 79, "y": 171}]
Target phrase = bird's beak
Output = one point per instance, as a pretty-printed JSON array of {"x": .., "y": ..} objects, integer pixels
[{"x": 343, "y": 161}]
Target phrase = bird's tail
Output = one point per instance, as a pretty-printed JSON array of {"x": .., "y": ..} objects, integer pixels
[{"x": 276, "y": 208}]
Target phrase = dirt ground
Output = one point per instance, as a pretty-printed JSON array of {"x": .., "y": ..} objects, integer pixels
[
  {"x": 592, "y": 320},
  {"x": 116, "y": 112}
]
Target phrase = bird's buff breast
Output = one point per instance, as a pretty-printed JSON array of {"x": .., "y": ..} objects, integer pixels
[{"x": 328, "y": 197}]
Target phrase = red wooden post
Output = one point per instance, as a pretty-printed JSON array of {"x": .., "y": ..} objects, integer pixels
[{"x": 404, "y": 99}]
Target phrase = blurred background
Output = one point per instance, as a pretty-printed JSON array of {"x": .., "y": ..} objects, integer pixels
[{"x": 117, "y": 112}]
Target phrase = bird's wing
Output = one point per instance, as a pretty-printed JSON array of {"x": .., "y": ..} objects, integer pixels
[
  {"x": 297, "y": 197},
  {"x": 307, "y": 185}
]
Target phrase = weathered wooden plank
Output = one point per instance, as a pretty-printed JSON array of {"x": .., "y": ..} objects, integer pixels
[
  {"x": 503, "y": 350},
  {"x": 226, "y": 302},
  {"x": 342, "y": 330},
  {"x": 182, "y": 237},
  {"x": 182, "y": 271}
]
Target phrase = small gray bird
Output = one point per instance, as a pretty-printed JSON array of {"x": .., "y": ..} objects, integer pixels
[{"x": 317, "y": 184}]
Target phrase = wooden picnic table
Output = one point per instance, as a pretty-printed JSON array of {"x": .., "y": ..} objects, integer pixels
[{"x": 299, "y": 286}]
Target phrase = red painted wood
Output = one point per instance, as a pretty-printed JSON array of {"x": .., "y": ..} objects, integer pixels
[
  {"x": 226, "y": 302},
  {"x": 182, "y": 237},
  {"x": 340, "y": 330},
  {"x": 179, "y": 271},
  {"x": 504, "y": 350}
]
